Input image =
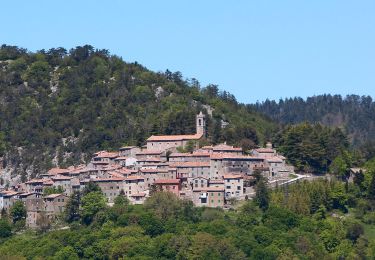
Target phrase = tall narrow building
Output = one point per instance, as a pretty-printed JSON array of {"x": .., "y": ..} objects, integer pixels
[{"x": 201, "y": 124}]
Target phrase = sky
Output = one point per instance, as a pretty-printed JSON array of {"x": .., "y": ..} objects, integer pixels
[{"x": 254, "y": 49}]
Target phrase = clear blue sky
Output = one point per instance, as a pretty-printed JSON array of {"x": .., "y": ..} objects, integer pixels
[{"x": 254, "y": 49}]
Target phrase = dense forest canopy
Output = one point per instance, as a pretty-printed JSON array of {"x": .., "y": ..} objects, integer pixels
[
  {"x": 57, "y": 107},
  {"x": 354, "y": 114}
]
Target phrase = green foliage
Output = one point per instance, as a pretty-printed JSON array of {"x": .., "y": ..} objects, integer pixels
[
  {"x": 311, "y": 147},
  {"x": 353, "y": 113},
  {"x": 71, "y": 212},
  {"x": 18, "y": 212},
  {"x": 169, "y": 228},
  {"x": 371, "y": 188},
  {"x": 341, "y": 165},
  {"x": 103, "y": 102},
  {"x": 53, "y": 190},
  {"x": 262, "y": 196},
  {"x": 5, "y": 228},
  {"x": 92, "y": 203}
]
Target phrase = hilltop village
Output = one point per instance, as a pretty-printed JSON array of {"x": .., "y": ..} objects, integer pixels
[{"x": 210, "y": 176}]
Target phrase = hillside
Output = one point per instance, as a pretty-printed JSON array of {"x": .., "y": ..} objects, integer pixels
[
  {"x": 57, "y": 107},
  {"x": 354, "y": 114}
]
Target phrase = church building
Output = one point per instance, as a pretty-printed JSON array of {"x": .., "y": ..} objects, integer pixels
[{"x": 166, "y": 142}]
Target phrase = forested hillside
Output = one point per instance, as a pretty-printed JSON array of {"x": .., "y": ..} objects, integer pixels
[
  {"x": 57, "y": 107},
  {"x": 354, "y": 114}
]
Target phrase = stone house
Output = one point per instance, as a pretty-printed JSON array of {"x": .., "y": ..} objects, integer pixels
[
  {"x": 222, "y": 164},
  {"x": 111, "y": 187},
  {"x": 171, "y": 185},
  {"x": 233, "y": 184},
  {"x": 134, "y": 185},
  {"x": 209, "y": 197}
]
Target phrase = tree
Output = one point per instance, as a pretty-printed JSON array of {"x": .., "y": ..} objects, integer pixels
[
  {"x": 53, "y": 190},
  {"x": 341, "y": 166},
  {"x": 66, "y": 253},
  {"x": 371, "y": 188},
  {"x": 91, "y": 187},
  {"x": 354, "y": 230},
  {"x": 92, "y": 203},
  {"x": 164, "y": 204},
  {"x": 5, "y": 228},
  {"x": 359, "y": 178},
  {"x": 72, "y": 208},
  {"x": 262, "y": 195},
  {"x": 18, "y": 212}
]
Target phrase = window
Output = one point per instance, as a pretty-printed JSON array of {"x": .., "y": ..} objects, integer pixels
[
  {"x": 238, "y": 187},
  {"x": 219, "y": 201},
  {"x": 212, "y": 194},
  {"x": 219, "y": 194},
  {"x": 212, "y": 201},
  {"x": 228, "y": 187}
]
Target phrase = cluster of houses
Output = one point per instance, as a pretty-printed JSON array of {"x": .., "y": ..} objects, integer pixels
[{"x": 210, "y": 176}]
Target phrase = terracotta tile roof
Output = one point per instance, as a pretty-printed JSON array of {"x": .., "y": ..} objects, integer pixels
[
  {"x": 154, "y": 170},
  {"x": 104, "y": 154},
  {"x": 48, "y": 182},
  {"x": 35, "y": 181},
  {"x": 121, "y": 158},
  {"x": 26, "y": 194},
  {"x": 116, "y": 175},
  {"x": 155, "y": 138},
  {"x": 53, "y": 196},
  {"x": 167, "y": 181},
  {"x": 274, "y": 160},
  {"x": 9, "y": 193},
  {"x": 189, "y": 164},
  {"x": 55, "y": 171}
]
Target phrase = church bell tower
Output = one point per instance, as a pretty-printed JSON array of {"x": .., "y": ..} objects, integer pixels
[{"x": 201, "y": 124}]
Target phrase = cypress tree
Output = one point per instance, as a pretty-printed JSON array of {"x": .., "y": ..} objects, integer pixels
[{"x": 262, "y": 196}]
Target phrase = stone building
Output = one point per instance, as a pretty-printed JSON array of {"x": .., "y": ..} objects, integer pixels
[{"x": 209, "y": 197}]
